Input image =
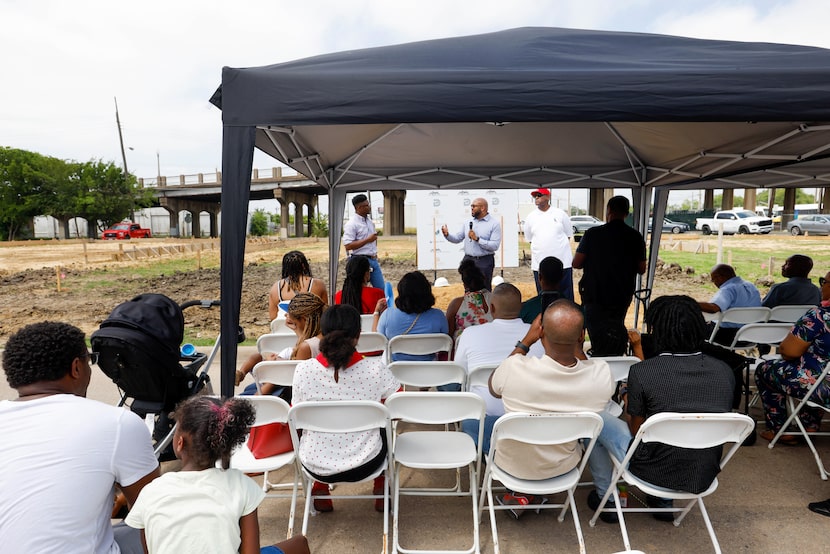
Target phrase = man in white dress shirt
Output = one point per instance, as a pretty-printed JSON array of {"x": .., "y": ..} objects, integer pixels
[{"x": 360, "y": 238}]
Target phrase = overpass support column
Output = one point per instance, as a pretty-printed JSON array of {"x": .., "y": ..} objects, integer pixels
[
  {"x": 393, "y": 212},
  {"x": 214, "y": 225},
  {"x": 789, "y": 207},
  {"x": 173, "y": 207},
  {"x": 825, "y": 200},
  {"x": 597, "y": 200},
  {"x": 298, "y": 218},
  {"x": 728, "y": 199},
  {"x": 708, "y": 199},
  {"x": 196, "y": 223},
  {"x": 750, "y": 199}
]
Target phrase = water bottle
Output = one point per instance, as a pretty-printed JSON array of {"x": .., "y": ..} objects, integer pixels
[
  {"x": 623, "y": 496},
  {"x": 188, "y": 350}
]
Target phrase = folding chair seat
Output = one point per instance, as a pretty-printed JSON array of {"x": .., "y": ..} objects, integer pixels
[
  {"x": 276, "y": 372},
  {"x": 435, "y": 450},
  {"x": 788, "y": 314},
  {"x": 794, "y": 406},
  {"x": 740, "y": 315},
  {"x": 428, "y": 374},
  {"x": 691, "y": 430},
  {"x": 540, "y": 429},
  {"x": 275, "y": 342},
  {"x": 270, "y": 409},
  {"x": 343, "y": 416},
  {"x": 427, "y": 343}
]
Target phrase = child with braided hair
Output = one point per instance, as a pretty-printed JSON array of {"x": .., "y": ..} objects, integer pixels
[{"x": 202, "y": 507}]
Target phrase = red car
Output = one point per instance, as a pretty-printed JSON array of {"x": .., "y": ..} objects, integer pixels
[{"x": 126, "y": 230}]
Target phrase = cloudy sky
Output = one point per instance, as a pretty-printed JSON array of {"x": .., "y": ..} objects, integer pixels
[{"x": 65, "y": 62}]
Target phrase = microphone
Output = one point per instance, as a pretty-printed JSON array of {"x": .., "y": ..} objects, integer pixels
[{"x": 471, "y": 227}]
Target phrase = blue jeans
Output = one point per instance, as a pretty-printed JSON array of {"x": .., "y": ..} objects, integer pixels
[
  {"x": 376, "y": 276},
  {"x": 614, "y": 438},
  {"x": 470, "y": 426}
]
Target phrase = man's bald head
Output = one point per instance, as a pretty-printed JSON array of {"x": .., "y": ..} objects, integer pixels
[
  {"x": 507, "y": 301},
  {"x": 563, "y": 323}
]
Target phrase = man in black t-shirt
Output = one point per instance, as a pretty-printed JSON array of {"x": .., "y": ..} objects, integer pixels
[{"x": 611, "y": 256}]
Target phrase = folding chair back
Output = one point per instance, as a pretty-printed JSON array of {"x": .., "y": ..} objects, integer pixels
[
  {"x": 366, "y": 321},
  {"x": 548, "y": 428},
  {"x": 428, "y": 343},
  {"x": 620, "y": 365},
  {"x": 754, "y": 334},
  {"x": 742, "y": 316},
  {"x": 278, "y": 325},
  {"x": 275, "y": 342},
  {"x": 428, "y": 374},
  {"x": 434, "y": 408},
  {"x": 269, "y": 410},
  {"x": 372, "y": 342},
  {"x": 789, "y": 314},
  {"x": 276, "y": 372},
  {"x": 480, "y": 376}
]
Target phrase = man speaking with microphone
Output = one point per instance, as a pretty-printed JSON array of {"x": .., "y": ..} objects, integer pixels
[{"x": 481, "y": 239}]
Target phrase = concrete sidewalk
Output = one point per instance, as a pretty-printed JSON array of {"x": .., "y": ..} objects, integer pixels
[{"x": 760, "y": 507}]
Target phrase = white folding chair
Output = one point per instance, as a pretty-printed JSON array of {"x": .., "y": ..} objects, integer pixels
[
  {"x": 692, "y": 430},
  {"x": 366, "y": 321},
  {"x": 619, "y": 365},
  {"x": 789, "y": 314},
  {"x": 428, "y": 374},
  {"x": 794, "y": 406},
  {"x": 276, "y": 372},
  {"x": 479, "y": 376},
  {"x": 278, "y": 325},
  {"x": 427, "y": 343},
  {"x": 540, "y": 429},
  {"x": 270, "y": 409},
  {"x": 343, "y": 416},
  {"x": 742, "y": 316},
  {"x": 372, "y": 342},
  {"x": 275, "y": 342},
  {"x": 749, "y": 337},
  {"x": 435, "y": 450}
]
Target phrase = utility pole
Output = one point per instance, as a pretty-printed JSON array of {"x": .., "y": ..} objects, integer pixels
[{"x": 121, "y": 139}]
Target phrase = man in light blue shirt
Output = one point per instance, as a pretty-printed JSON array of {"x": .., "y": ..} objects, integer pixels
[
  {"x": 733, "y": 292},
  {"x": 481, "y": 236}
]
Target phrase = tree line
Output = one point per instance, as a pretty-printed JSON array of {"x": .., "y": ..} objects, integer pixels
[{"x": 32, "y": 184}]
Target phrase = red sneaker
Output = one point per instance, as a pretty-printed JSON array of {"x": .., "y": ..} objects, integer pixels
[
  {"x": 321, "y": 504},
  {"x": 377, "y": 489}
]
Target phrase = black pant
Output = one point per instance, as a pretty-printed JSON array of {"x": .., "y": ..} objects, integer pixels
[
  {"x": 606, "y": 328},
  {"x": 486, "y": 264}
]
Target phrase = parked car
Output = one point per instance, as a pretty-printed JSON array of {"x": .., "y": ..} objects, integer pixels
[
  {"x": 126, "y": 230},
  {"x": 582, "y": 223},
  {"x": 734, "y": 221},
  {"x": 813, "y": 224},
  {"x": 670, "y": 226}
]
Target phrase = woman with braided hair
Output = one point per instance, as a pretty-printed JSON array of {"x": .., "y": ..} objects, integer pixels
[
  {"x": 303, "y": 317},
  {"x": 296, "y": 278},
  {"x": 226, "y": 500},
  {"x": 357, "y": 291}
]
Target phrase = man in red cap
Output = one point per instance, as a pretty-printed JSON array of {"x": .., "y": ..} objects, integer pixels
[{"x": 549, "y": 231}]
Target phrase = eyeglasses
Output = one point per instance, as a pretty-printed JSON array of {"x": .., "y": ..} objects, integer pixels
[
  {"x": 93, "y": 357},
  {"x": 821, "y": 281}
]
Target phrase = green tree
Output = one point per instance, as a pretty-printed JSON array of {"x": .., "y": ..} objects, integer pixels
[
  {"x": 319, "y": 225},
  {"x": 103, "y": 194},
  {"x": 25, "y": 186},
  {"x": 259, "y": 223},
  {"x": 801, "y": 197}
]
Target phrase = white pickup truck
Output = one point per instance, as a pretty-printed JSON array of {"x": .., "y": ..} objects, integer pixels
[{"x": 734, "y": 221}]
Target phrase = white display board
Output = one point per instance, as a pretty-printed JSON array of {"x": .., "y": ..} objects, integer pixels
[{"x": 452, "y": 207}]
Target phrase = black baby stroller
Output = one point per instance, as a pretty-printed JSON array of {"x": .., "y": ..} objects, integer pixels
[{"x": 138, "y": 348}]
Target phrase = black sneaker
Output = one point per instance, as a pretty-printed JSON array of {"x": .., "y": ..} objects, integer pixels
[
  {"x": 593, "y": 503},
  {"x": 822, "y": 507},
  {"x": 657, "y": 502}
]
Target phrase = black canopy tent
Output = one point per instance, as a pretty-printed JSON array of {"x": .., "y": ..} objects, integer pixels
[{"x": 523, "y": 108}]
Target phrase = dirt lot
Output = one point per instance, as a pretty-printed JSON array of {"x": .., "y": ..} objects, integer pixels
[{"x": 28, "y": 279}]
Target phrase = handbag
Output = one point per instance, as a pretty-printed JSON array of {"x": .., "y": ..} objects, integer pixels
[{"x": 269, "y": 440}]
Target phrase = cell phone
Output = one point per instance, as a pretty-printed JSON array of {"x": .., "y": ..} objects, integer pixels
[{"x": 546, "y": 298}]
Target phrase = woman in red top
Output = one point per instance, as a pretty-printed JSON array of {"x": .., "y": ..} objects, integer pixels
[{"x": 356, "y": 291}]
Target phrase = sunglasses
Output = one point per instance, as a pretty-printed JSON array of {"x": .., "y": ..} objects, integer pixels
[{"x": 93, "y": 357}]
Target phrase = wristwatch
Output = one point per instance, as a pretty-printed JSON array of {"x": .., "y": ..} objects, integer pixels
[{"x": 522, "y": 346}]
